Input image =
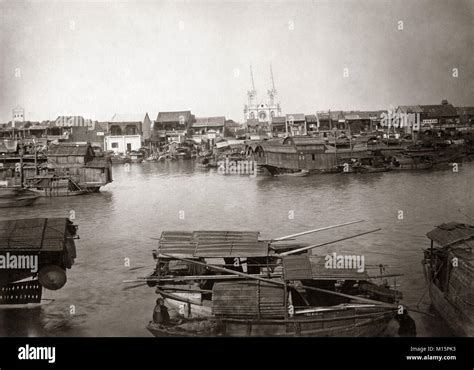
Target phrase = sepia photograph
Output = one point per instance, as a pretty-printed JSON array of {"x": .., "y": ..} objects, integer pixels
[{"x": 237, "y": 168}]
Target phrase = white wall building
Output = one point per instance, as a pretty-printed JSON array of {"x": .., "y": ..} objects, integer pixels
[{"x": 121, "y": 144}]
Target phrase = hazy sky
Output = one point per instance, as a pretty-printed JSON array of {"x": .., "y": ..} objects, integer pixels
[{"x": 97, "y": 58}]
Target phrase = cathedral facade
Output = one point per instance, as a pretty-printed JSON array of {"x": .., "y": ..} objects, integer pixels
[{"x": 263, "y": 111}]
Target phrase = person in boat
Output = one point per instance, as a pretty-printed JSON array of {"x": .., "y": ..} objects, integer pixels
[
  {"x": 160, "y": 313},
  {"x": 407, "y": 326}
]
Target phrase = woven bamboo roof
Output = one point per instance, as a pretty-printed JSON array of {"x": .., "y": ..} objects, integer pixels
[
  {"x": 452, "y": 233},
  {"x": 34, "y": 234},
  {"x": 212, "y": 244}
]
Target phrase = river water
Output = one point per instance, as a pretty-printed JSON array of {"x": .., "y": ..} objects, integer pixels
[{"x": 117, "y": 225}]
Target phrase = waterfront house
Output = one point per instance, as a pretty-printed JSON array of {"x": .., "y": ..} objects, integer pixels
[
  {"x": 207, "y": 128},
  {"x": 172, "y": 126},
  {"x": 331, "y": 120},
  {"x": 296, "y": 124},
  {"x": 93, "y": 133},
  {"x": 127, "y": 132},
  {"x": 79, "y": 162},
  {"x": 441, "y": 116},
  {"x": 312, "y": 123},
  {"x": 466, "y": 117},
  {"x": 278, "y": 126}
]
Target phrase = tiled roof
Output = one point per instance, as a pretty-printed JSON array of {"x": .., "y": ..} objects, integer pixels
[
  {"x": 209, "y": 122},
  {"x": 278, "y": 120},
  {"x": 410, "y": 109},
  {"x": 127, "y": 117},
  {"x": 465, "y": 111},
  {"x": 351, "y": 117},
  {"x": 296, "y": 117},
  {"x": 65, "y": 149},
  {"x": 311, "y": 118},
  {"x": 335, "y": 115},
  {"x": 439, "y": 110},
  {"x": 173, "y": 116}
]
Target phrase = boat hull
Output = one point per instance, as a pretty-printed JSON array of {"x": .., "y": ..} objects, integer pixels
[
  {"x": 23, "y": 202},
  {"x": 57, "y": 193},
  {"x": 457, "y": 320},
  {"x": 307, "y": 327},
  {"x": 199, "y": 321}
]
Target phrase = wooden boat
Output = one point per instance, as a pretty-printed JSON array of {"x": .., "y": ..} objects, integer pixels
[
  {"x": 449, "y": 272},
  {"x": 117, "y": 159},
  {"x": 369, "y": 164},
  {"x": 50, "y": 241},
  {"x": 411, "y": 162},
  {"x": 207, "y": 161},
  {"x": 54, "y": 186},
  {"x": 183, "y": 153},
  {"x": 16, "y": 197},
  {"x": 135, "y": 157},
  {"x": 234, "y": 284},
  {"x": 300, "y": 173}
]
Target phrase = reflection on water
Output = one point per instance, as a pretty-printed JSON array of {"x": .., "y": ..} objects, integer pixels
[{"x": 118, "y": 223}]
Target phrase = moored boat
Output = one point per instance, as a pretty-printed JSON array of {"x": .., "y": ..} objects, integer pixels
[
  {"x": 234, "y": 284},
  {"x": 449, "y": 273},
  {"x": 136, "y": 157},
  {"x": 16, "y": 197},
  {"x": 40, "y": 249},
  {"x": 54, "y": 186},
  {"x": 411, "y": 161}
]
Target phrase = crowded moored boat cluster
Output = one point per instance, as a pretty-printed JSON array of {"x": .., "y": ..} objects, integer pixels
[{"x": 72, "y": 155}]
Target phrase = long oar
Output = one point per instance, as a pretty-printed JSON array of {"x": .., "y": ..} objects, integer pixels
[
  {"x": 315, "y": 231},
  {"x": 277, "y": 282},
  {"x": 323, "y": 244}
]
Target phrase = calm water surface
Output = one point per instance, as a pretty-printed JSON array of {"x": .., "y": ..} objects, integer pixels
[{"x": 119, "y": 223}]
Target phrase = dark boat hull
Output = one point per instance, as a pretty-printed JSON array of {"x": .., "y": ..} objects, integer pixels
[
  {"x": 457, "y": 320},
  {"x": 338, "y": 326}
]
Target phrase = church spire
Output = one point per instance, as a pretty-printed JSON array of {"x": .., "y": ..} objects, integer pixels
[
  {"x": 272, "y": 92},
  {"x": 251, "y": 93}
]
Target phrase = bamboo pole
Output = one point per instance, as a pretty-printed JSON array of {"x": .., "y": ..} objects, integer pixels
[
  {"x": 222, "y": 269},
  {"x": 315, "y": 230},
  {"x": 194, "y": 277},
  {"x": 177, "y": 298},
  {"x": 323, "y": 244},
  {"x": 278, "y": 282}
]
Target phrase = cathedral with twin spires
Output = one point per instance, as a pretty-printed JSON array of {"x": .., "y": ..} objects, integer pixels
[{"x": 258, "y": 111}]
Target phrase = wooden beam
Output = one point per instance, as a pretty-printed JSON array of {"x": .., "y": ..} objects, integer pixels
[
  {"x": 282, "y": 283},
  {"x": 323, "y": 244},
  {"x": 315, "y": 230}
]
